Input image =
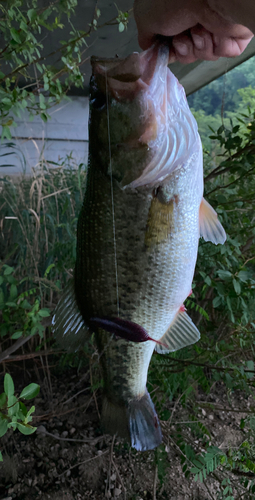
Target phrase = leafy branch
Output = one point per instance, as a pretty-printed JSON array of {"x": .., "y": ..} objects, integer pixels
[{"x": 14, "y": 414}]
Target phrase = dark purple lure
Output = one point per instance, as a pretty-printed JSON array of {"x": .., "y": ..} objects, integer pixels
[{"x": 127, "y": 330}]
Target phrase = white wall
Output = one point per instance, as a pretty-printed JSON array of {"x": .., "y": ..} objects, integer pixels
[{"x": 66, "y": 132}]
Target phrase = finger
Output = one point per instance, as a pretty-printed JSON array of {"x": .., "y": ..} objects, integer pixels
[
  {"x": 203, "y": 44},
  {"x": 229, "y": 47},
  {"x": 145, "y": 39},
  {"x": 183, "y": 48}
]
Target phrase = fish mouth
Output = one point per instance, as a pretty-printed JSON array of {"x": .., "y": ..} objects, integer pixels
[{"x": 122, "y": 79}]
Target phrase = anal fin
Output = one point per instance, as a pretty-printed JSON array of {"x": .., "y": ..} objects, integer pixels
[
  {"x": 181, "y": 333},
  {"x": 68, "y": 325},
  {"x": 209, "y": 224}
]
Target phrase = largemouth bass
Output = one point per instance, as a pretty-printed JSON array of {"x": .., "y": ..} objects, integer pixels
[{"x": 137, "y": 236}]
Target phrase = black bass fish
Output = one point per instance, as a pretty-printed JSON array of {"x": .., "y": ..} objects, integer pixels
[{"x": 137, "y": 236}]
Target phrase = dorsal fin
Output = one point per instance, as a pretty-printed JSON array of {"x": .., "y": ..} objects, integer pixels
[
  {"x": 209, "y": 224},
  {"x": 181, "y": 332}
]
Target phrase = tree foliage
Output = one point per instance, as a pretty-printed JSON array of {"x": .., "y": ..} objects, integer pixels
[
  {"x": 29, "y": 78},
  {"x": 224, "y": 93}
]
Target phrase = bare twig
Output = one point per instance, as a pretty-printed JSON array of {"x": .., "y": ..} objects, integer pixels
[
  {"x": 41, "y": 429},
  {"x": 75, "y": 395},
  {"x": 154, "y": 495},
  {"x": 31, "y": 355},
  {"x": 120, "y": 479},
  {"x": 212, "y": 406},
  {"x": 21, "y": 341},
  {"x": 83, "y": 462}
]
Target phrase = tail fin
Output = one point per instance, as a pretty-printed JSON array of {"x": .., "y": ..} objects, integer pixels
[{"x": 138, "y": 422}]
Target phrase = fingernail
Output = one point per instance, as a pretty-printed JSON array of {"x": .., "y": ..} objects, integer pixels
[
  {"x": 181, "y": 48},
  {"x": 198, "y": 42}
]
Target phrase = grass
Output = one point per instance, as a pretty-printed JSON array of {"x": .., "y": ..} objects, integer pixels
[{"x": 38, "y": 224}]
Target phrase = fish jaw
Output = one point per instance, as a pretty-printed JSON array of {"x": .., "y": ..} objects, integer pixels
[{"x": 125, "y": 77}]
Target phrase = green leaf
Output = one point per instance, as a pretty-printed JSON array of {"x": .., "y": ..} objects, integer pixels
[
  {"x": 17, "y": 335},
  {"x": 32, "y": 15},
  {"x": 26, "y": 428},
  {"x": 44, "y": 117},
  {"x": 25, "y": 304},
  {"x": 8, "y": 270},
  {"x": 121, "y": 27},
  {"x": 6, "y": 132},
  {"x": 42, "y": 101},
  {"x": 23, "y": 408},
  {"x": 1, "y": 457},
  {"x": 28, "y": 416},
  {"x": 48, "y": 270},
  {"x": 224, "y": 275},
  {"x": 3, "y": 399},
  {"x": 208, "y": 280},
  {"x": 243, "y": 276},
  {"x": 8, "y": 385},
  {"x": 216, "y": 301},
  {"x": 3, "y": 427},
  {"x": 242, "y": 423},
  {"x": 23, "y": 26},
  {"x": 15, "y": 35},
  {"x": 30, "y": 391},
  {"x": 13, "y": 292},
  {"x": 237, "y": 286},
  {"x": 34, "y": 330},
  {"x": 7, "y": 101},
  {"x": 44, "y": 313},
  {"x": 13, "y": 406}
]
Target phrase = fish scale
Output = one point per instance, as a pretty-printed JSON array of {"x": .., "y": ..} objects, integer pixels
[{"x": 155, "y": 178}]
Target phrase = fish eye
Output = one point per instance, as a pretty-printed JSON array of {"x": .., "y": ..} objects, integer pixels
[{"x": 98, "y": 101}]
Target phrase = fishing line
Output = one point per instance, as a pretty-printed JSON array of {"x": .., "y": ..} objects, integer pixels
[
  {"x": 112, "y": 198},
  {"x": 224, "y": 91}
]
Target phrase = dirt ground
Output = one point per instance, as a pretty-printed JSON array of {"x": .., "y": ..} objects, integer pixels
[{"x": 68, "y": 458}]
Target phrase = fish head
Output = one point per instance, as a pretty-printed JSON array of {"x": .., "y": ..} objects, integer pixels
[
  {"x": 134, "y": 106},
  {"x": 123, "y": 119}
]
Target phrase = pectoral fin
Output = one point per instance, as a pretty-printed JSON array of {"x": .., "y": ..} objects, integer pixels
[
  {"x": 182, "y": 332},
  {"x": 210, "y": 226},
  {"x": 68, "y": 325}
]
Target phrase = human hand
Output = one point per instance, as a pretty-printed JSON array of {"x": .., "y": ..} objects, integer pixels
[{"x": 195, "y": 30}]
